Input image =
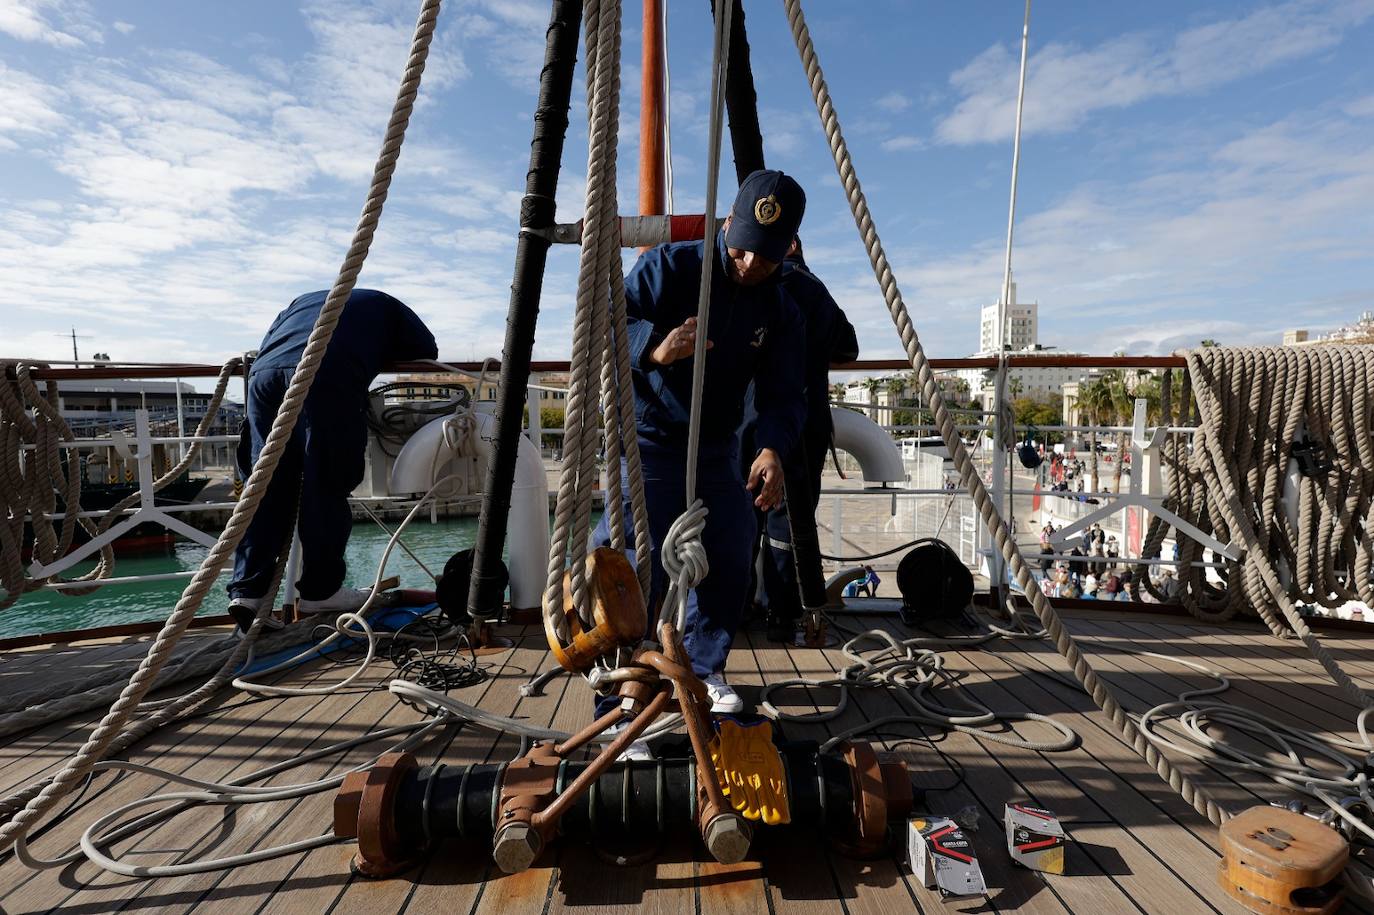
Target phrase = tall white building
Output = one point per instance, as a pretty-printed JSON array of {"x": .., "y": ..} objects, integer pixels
[{"x": 1022, "y": 330}]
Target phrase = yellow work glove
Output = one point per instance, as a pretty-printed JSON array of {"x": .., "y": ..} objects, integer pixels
[{"x": 750, "y": 771}]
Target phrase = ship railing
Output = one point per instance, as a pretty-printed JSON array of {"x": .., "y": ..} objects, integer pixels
[{"x": 854, "y": 525}]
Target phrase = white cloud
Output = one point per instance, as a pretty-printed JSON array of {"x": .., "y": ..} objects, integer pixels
[
  {"x": 904, "y": 143},
  {"x": 1066, "y": 84},
  {"x": 29, "y": 20},
  {"x": 893, "y": 101},
  {"x": 1361, "y": 108},
  {"x": 1161, "y": 261},
  {"x": 29, "y": 106},
  {"x": 123, "y": 28}
]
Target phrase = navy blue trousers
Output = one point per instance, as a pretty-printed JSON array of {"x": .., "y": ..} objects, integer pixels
[
  {"x": 322, "y": 464},
  {"x": 715, "y": 607}
]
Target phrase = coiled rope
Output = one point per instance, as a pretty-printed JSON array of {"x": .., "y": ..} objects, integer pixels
[
  {"x": 1101, "y": 694},
  {"x": 29, "y": 487},
  {"x": 111, "y": 726}
]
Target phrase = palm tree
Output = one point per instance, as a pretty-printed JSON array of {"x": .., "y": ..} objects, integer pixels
[
  {"x": 871, "y": 385},
  {"x": 1095, "y": 399},
  {"x": 1125, "y": 390}
]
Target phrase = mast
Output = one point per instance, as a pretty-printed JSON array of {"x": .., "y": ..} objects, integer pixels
[
  {"x": 531, "y": 253},
  {"x": 652, "y": 171}
]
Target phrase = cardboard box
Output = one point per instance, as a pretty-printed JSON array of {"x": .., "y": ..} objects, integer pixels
[
  {"x": 942, "y": 857},
  {"x": 1034, "y": 838}
]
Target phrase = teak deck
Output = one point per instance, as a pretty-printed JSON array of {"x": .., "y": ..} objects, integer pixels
[{"x": 1135, "y": 846}]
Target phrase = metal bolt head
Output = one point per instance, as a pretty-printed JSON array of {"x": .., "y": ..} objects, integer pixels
[
  {"x": 516, "y": 847},
  {"x": 727, "y": 838}
]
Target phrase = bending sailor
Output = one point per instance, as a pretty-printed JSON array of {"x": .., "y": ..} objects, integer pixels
[{"x": 324, "y": 460}]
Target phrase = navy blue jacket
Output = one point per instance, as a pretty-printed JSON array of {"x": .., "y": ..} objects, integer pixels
[
  {"x": 374, "y": 329},
  {"x": 829, "y": 338},
  {"x": 756, "y": 336}
]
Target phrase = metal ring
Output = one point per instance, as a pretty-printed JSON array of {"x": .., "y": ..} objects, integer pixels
[
  {"x": 496, "y": 796},
  {"x": 434, "y": 771},
  {"x": 463, "y": 799}
]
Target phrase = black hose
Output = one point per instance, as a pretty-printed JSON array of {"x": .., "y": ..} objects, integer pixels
[
  {"x": 741, "y": 101},
  {"x": 536, "y": 213}
]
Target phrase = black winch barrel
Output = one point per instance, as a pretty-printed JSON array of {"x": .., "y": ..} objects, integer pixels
[
  {"x": 641, "y": 799},
  {"x": 531, "y": 253}
]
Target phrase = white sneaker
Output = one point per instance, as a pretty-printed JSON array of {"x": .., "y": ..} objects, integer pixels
[
  {"x": 245, "y": 609},
  {"x": 637, "y": 751},
  {"x": 344, "y": 600},
  {"x": 725, "y": 700}
]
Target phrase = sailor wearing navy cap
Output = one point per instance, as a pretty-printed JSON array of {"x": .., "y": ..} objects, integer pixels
[{"x": 754, "y": 335}]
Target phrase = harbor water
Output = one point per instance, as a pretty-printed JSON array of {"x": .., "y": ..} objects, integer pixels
[{"x": 50, "y": 611}]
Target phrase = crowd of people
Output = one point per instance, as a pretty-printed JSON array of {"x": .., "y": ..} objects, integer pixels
[{"x": 1094, "y": 576}]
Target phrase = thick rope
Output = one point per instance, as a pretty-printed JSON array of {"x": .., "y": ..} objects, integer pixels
[
  {"x": 1006, "y": 545},
  {"x": 600, "y": 369},
  {"x": 109, "y": 729},
  {"x": 1242, "y": 458},
  {"x": 50, "y": 467}
]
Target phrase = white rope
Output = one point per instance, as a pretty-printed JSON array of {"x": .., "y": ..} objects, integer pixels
[
  {"x": 255, "y": 488},
  {"x": 683, "y": 553},
  {"x": 910, "y": 670}
]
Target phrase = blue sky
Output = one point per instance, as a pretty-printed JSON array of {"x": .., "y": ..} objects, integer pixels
[{"x": 175, "y": 172}]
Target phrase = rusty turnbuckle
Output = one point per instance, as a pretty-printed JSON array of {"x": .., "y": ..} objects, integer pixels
[{"x": 396, "y": 810}]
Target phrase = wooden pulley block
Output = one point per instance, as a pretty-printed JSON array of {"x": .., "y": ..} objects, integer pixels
[
  {"x": 1277, "y": 862},
  {"x": 618, "y": 612}
]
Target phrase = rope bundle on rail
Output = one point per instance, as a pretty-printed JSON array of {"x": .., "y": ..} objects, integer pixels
[{"x": 29, "y": 485}]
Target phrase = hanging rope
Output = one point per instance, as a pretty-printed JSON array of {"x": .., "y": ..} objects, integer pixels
[
  {"x": 1006, "y": 545},
  {"x": 600, "y": 369},
  {"x": 684, "y": 554},
  {"x": 110, "y": 728}
]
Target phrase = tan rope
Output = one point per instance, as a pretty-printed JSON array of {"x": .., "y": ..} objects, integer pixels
[
  {"x": 600, "y": 368},
  {"x": 1243, "y": 502},
  {"x": 1006, "y": 545},
  {"x": 110, "y": 727}
]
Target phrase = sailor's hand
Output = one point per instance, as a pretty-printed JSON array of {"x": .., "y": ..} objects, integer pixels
[
  {"x": 680, "y": 343},
  {"x": 765, "y": 475}
]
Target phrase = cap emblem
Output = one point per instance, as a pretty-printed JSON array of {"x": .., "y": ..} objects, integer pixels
[{"x": 767, "y": 210}]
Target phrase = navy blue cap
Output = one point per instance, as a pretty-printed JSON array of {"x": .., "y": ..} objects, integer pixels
[{"x": 767, "y": 213}]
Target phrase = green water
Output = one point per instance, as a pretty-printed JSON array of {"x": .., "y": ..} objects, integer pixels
[{"x": 50, "y": 611}]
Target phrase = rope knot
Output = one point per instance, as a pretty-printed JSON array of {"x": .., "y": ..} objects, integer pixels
[{"x": 684, "y": 555}]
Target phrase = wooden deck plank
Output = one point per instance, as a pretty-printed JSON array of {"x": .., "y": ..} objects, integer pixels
[
  {"x": 1136, "y": 845},
  {"x": 469, "y": 744},
  {"x": 1136, "y": 693},
  {"x": 202, "y": 746},
  {"x": 456, "y": 877},
  {"x": 251, "y": 827},
  {"x": 979, "y": 784},
  {"x": 1262, "y": 656},
  {"x": 1136, "y": 842},
  {"x": 1275, "y": 694}
]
